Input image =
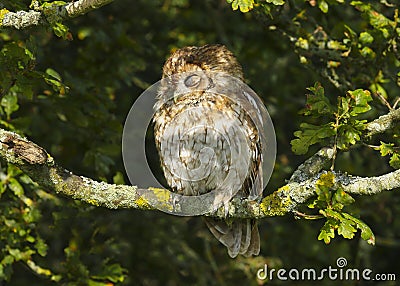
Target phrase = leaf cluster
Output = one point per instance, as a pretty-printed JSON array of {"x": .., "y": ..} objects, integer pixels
[
  {"x": 330, "y": 202},
  {"x": 339, "y": 125},
  {"x": 389, "y": 149},
  {"x": 19, "y": 80},
  {"x": 247, "y": 5},
  {"x": 51, "y": 11}
]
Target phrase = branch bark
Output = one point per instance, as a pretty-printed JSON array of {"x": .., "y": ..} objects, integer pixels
[
  {"x": 24, "y": 19},
  {"x": 41, "y": 167},
  {"x": 20, "y": 19},
  {"x": 383, "y": 123},
  {"x": 81, "y": 7}
]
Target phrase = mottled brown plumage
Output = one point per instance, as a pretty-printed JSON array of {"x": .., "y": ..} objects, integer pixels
[{"x": 195, "y": 132}]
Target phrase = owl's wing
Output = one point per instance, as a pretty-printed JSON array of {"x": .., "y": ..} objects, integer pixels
[
  {"x": 255, "y": 111},
  {"x": 253, "y": 185}
]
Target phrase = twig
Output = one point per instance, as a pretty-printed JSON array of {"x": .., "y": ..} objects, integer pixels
[
  {"x": 383, "y": 100},
  {"x": 307, "y": 216},
  {"x": 396, "y": 102}
]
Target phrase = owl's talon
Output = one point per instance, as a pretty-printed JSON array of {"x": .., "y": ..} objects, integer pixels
[
  {"x": 226, "y": 209},
  {"x": 176, "y": 204}
]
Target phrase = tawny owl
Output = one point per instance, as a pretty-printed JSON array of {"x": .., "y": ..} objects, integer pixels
[{"x": 207, "y": 137}]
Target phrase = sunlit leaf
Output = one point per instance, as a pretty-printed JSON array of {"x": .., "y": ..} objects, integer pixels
[
  {"x": 327, "y": 231},
  {"x": 243, "y": 5},
  {"x": 276, "y": 2},
  {"x": 323, "y": 6},
  {"x": 346, "y": 229},
  {"x": 366, "y": 38},
  {"x": 16, "y": 187},
  {"x": 395, "y": 161},
  {"x": 386, "y": 148},
  {"x": 366, "y": 232},
  {"x": 310, "y": 135},
  {"x": 10, "y": 103}
]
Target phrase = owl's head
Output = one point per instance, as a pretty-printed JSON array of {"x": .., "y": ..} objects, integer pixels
[{"x": 216, "y": 58}]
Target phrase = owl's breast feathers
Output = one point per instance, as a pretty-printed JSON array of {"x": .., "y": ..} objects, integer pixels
[{"x": 205, "y": 120}]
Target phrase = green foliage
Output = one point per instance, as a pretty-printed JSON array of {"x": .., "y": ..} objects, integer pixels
[
  {"x": 377, "y": 20},
  {"x": 72, "y": 97},
  {"x": 276, "y": 2},
  {"x": 343, "y": 126},
  {"x": 19, "y": 80},
  {"x": 345, "y": 53},
  {"x": 345, "y": 225},
  {"x": 247, "y": 5},
  {"x": 394, "y": 152},
  {"x": 51, "y": 10},
  {"x": 310, "y": 135},
  {"x": 60, "y": 30},
  {"x": 19, "y": 237},
  {"x": 10, "y": 104},
  {"x": 79, "y": 274},
  {"x": 53, "y": 78},
  {"x": 244, "y": 5},
  {"x": 331, "y": 202}
]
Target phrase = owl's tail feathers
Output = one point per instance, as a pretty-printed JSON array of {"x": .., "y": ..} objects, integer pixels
[{"x": 240, "y": 236}]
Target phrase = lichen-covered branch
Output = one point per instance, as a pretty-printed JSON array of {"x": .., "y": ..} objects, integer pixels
[
  {"x": 383, "y": 123},
  {"x": 312, "y": 166},
  {"x": 20, "y": 19},
  {"x": 81, "y": 7},
  {"x": 24, "y": 19},
  {"x": 372, "y": 185},
  {"x": 40, "y": 166}
]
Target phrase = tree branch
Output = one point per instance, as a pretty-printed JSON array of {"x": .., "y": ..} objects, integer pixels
[
  {"x": 81, "y": 7},
  {"x": 312, "y": 166},
  {"x": 24, "y": 19},
  {"x": 20, "y": 19},
  {"x": 40, "y": 166},
  {"x": 383, "y": 123}
]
